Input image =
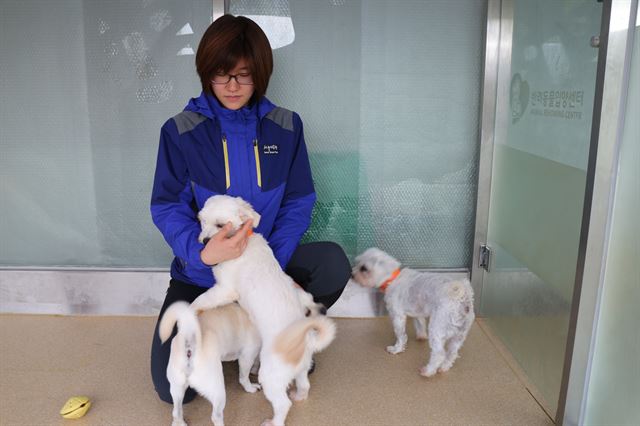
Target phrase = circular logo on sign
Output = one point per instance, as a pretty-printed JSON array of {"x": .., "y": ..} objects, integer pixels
[{"x": 519, "y": 97}]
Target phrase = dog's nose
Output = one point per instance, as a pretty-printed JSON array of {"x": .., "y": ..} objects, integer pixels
[{"x": 205, "y": 241}]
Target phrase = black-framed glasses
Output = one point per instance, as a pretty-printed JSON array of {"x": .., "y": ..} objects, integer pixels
[{"x": 242, "y": 79}]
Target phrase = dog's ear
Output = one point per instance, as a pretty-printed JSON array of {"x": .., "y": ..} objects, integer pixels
[{"x": 247, "y": 212}]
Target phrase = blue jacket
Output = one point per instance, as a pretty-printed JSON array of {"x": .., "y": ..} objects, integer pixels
[{"x": 257, "y": 153}]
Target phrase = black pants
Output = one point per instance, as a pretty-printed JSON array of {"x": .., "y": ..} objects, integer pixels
[{"x": 321, "y": 268}]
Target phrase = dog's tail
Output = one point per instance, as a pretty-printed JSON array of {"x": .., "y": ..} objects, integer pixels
[
  {"x": 312, "y": 334},
  {"x": 188, "y": 326},
  {"x": 462, "y": 292}
]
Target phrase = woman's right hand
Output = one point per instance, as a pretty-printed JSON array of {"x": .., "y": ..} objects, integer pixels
[{"x": 221, "y": 248}]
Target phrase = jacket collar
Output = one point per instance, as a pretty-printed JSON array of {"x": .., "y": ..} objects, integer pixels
[{"x": 208, "y": 105}]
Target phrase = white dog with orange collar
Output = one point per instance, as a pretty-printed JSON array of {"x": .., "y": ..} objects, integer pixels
[{"x": 447, "y": 302}]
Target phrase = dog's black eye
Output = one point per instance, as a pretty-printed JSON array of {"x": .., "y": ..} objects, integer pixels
[
  {"x": 219, "y": 225},
  {"x": 363, "y": 268}
]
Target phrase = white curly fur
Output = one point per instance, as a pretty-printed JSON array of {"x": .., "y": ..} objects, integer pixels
[{"x": 447, "y": 302}]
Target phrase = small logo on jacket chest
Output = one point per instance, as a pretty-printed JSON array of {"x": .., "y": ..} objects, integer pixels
[{"x": 269, "y": 149}]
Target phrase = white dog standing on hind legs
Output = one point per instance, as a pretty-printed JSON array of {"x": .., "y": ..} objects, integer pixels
[
  {"x": 277, "y": 307},
  {"x": 203, "y": 341},
  {"x": 447, "y": 302}
]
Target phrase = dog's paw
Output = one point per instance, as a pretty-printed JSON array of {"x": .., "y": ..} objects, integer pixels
[
  {"x": 427, "y": 372},
  {"x": 394, "y": 350},
  {"x": 252, "y": 387},
  {"x": 178, "y": 422},
  {"x": 268, "y": 422},
  {"x": 446, "y": 366},
  {"x": 298, "y": 396},
  {"x": 444, "y": 369}
]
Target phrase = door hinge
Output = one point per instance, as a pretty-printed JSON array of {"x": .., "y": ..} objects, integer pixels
[{"x": 484, "y": 257}]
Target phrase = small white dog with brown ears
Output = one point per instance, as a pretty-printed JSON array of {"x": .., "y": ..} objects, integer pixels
[
  {"x": 203, "y": 341},
  {"x": 275, "y": 304},
  {"x": 447, "y": 302}
]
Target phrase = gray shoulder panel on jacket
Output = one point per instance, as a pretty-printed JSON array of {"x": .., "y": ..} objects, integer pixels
[
  {"x": 282, "y": 117},
  {"x": 188, "y": 120}
]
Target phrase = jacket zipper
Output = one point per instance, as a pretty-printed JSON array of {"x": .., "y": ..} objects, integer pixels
[
  {"x": 226, "y": 161},
  {"x": 257, "y": 155}
]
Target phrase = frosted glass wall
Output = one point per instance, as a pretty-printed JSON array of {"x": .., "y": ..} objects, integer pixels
[
  {"x": 85, "y": 87},
  {"x": 389, "y": 93}
]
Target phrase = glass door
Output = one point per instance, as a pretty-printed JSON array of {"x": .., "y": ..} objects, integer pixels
[{"x": 545, "y": 98}]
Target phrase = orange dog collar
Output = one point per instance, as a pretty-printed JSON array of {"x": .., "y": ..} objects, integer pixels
[{"x": 393, "y": 276}]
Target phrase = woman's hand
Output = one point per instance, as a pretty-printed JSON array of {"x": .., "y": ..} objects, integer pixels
[{"x": 220, "y": 247}]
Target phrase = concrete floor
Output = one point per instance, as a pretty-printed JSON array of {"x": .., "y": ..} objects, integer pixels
[{"x": 46, "y": 359}]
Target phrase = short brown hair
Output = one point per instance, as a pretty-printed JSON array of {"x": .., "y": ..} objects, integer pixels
[{"x": 229, "y": 39}]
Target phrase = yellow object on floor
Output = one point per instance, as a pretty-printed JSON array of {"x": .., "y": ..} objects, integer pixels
[
  {"x": 75, "y": 407},
  {"x": 356, "y": 382}
]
